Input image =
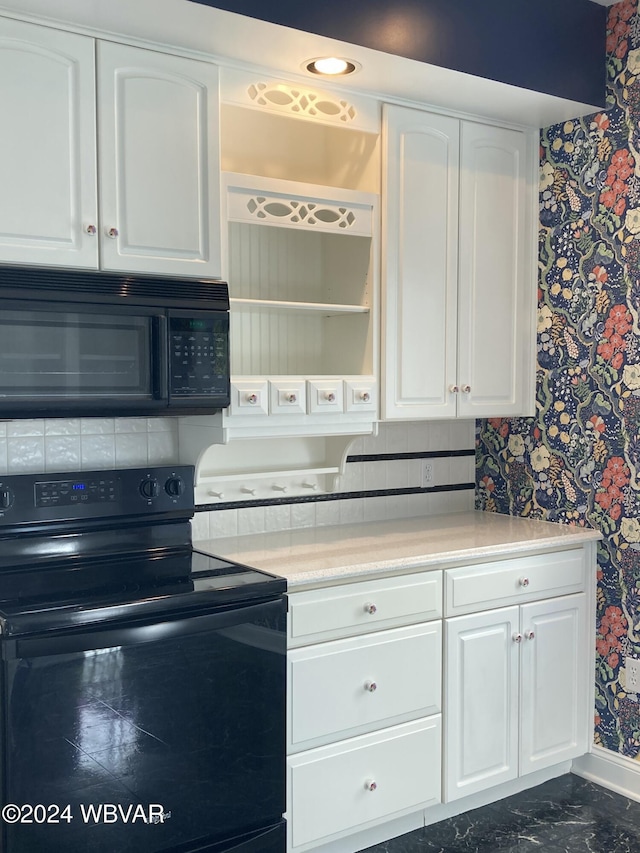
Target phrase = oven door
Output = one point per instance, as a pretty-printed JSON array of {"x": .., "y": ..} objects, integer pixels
[
  {"x": 166, "y": 735},
  {"x": 78, "y": 359}
]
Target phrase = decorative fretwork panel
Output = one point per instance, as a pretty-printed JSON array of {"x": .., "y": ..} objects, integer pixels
[
  {"x": 301, "y": 102},
  {"x": 338, "y": 216}
]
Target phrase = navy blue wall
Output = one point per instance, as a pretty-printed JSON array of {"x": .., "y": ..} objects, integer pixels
[{"x": 552, "y": 46}]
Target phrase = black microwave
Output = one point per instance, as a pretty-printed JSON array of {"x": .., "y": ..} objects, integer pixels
[{"x": 84, "y": 343}]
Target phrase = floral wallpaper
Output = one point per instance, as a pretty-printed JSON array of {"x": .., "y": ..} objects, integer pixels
[{"x": 578, "y": 461}]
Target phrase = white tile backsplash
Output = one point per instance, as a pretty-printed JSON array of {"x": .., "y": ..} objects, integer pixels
[
  {"x": 62, "y": 452},
  {"x": 392, "y": 438},
  {"x": 130, "y": 447},
  {"x": 97, "y": 426},
  {"x": 62, "y": 426},
  {"x": 26, "y": 454},
  {"x": 76, "y": 444},
  {"x": 17, "y": 429}
]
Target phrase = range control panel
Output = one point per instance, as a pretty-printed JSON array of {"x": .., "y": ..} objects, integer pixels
[
  {"x": 125, "y": 493},
  {"x": 77, "y": 491}
]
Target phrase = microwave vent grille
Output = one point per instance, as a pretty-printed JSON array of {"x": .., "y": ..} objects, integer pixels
[{"x": 93, "y": 286}]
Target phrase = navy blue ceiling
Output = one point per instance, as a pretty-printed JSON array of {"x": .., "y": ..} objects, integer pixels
[{"x": 552, "y": 46}]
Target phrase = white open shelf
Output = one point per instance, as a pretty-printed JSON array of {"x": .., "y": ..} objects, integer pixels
[{"x": 288, "y": 307}]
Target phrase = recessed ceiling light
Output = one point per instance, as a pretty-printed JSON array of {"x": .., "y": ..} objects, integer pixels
[{"x": 331, "y": 66}]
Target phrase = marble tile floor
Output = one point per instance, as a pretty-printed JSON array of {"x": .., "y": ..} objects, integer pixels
[{"x": 564, "y": 815}]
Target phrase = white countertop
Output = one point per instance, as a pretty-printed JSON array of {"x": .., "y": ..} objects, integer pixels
[{"x": 320, "y": 556}]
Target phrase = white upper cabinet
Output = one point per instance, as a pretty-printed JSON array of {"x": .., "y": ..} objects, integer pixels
[
  {"x": 159, "y": 162},
  {"x": 47, "y": 146},
  {"x": 457, "y": 268},
  {"x": 497, "y": 292},
  {"x": 157, "y": 157}
]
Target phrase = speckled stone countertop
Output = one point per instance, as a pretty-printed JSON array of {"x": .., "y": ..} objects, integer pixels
[{"x": 321, "y": 556}]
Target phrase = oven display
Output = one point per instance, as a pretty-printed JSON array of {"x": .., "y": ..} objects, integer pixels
[{"x": 70, "y": 492}]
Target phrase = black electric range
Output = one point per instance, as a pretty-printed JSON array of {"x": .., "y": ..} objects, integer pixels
[{"x": 112, "y": 625}]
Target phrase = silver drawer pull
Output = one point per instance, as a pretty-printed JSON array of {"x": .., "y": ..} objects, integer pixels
[
  {"x": 530, "y": 635},
  {"x": 113, "y": 233},
  {"x": 517, "y": 638},
  {"x": 524, "y": 581},
  {"x": 365, "y": 396},
  {"x": 466, "y": 389},
  {"x": 330, "y": 397},
  {"x": 91, "y": 229},
  {"x": 292, "y": 398},
  {"x": 370, "y": 609},
  {"x": 371, "y": 686},
  {"x": 252, "y": 399},
  {"x": 370, "y": 785},
  {"x": 453, "y": 389}
]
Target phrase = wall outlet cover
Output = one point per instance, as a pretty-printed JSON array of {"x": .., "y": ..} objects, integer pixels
[
  {"x": 632, "y": 669},
  {"x": 427, "y": 474}
]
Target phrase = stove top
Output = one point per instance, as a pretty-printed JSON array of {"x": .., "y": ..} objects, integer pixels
[{"x": 124, "y": 553}]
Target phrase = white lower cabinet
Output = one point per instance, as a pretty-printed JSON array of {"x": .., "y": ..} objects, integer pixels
[
  {"x": 397, "y": 717},
  {"x": 516, "y": 697},
  {"x": 364, "y": 711}
]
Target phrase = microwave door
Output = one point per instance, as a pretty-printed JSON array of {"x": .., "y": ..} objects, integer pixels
[{"x": 78, "y": 358}]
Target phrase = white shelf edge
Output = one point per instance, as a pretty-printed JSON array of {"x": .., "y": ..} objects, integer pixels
[
  {"x": 243, "y": 304},
  {"x": 205, "y": 479}
]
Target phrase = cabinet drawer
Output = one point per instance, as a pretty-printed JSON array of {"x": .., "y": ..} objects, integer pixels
[
  {"x": 363, "y": 781},
  {"x": 488, "y": 585},
  {"x": 325, "y": 614},
  {"x": 347, "y": 687}
]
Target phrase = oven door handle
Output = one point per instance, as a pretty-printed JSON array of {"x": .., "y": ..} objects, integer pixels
[{"x": 238, "y": 622}]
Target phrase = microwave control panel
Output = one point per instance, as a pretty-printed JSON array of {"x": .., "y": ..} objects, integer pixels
[{"x": 198, "y": 355}]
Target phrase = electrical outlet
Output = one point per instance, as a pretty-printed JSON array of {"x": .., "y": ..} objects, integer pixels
[
  {"x": 632, "y": 670},
  {"x": 427, "y": 474}
]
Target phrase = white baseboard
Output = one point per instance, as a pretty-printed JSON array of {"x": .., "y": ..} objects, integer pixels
[{"x": 611, "y": 770}]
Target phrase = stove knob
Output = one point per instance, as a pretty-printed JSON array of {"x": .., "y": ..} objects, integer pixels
[
  {"x": 6, "y": 498},
  {"x": 149, "y": 488},
  {"x": 174, "y": 487}
]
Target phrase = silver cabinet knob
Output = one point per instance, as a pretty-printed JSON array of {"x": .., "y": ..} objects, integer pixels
[
  {"x": 454, "y": 389},
  {"x": 370, "y": 785},
  {"x": 517, "y": 638},
  {"x": 530, "y": 635},
  {"x": 91, "y": 229},
  {"x": 466, "y": 389},
  {"x": 113, "y": 233},
  {"x": 524, "y": 581},
  {"x": 252, "y": 399},
  {"x": 370, "y": 609},
  {"x": 292, "y": 398},
  {"x": 330, "y": 397},
  {"x": 365, "y": 396},
  {"x": 370, "y": 686}
]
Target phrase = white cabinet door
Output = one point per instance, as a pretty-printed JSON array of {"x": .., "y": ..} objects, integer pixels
[
  {"x": 481, "y": 701},
  {"x": 159, "y": 162},
  {"x": 47, "y": 146},
  {"x": 420, "y": 244},
  {"x": 554, "y": 689},
  {"x": 458, "y": 251},
  {"x": 496, "y": 289},
  {"x": 516, "y": 694}
]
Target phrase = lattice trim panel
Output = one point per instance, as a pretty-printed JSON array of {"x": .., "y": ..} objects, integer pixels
[
  {"x": 289, "y": 212},
  {"x": 299, "y": 101}
]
